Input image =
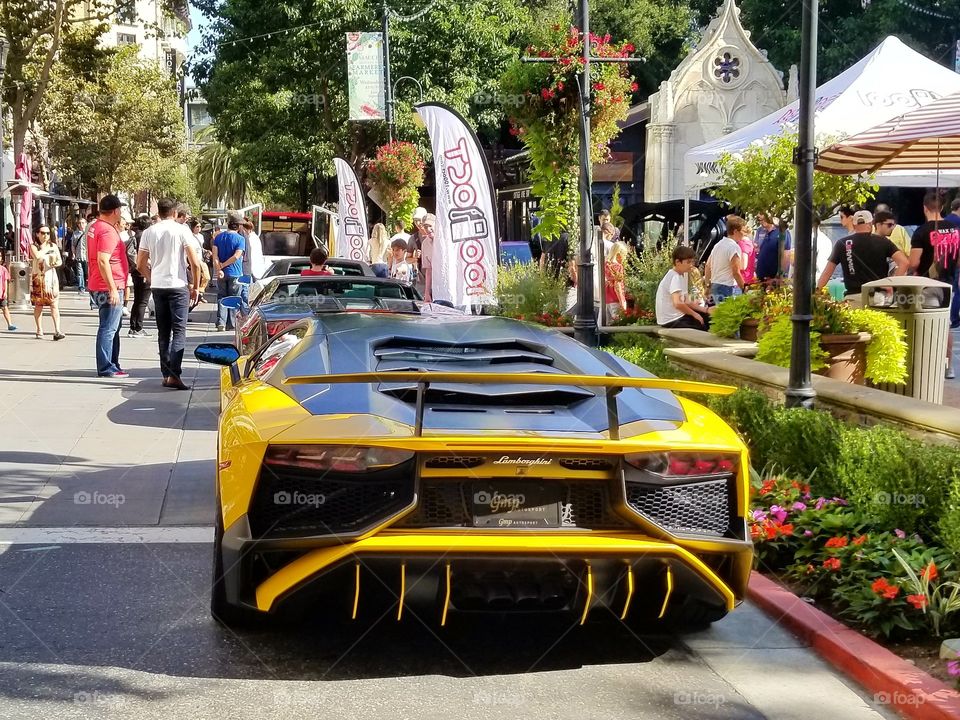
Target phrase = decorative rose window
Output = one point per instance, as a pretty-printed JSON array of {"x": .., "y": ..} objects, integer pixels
[{"x": 726, "y": 67}]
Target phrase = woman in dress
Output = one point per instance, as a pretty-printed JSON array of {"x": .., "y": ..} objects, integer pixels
[
  {"x": 615, "y": 276},
  {"x": 44, "y": 285}
]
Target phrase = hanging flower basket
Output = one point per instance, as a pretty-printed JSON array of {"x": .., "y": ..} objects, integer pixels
[
  {"x": 545, "y": 114},
  {"x": 396, "y": 174}
]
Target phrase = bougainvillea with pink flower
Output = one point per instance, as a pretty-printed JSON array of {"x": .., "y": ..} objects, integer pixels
[{"x": 547, "y": 120}]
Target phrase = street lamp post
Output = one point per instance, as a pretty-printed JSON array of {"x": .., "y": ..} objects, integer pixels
[{"x": 800, "y": 392}]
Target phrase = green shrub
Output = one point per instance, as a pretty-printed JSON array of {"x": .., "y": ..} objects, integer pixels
[
  {"x": 644, "y": 273},
  {"x": 806, "y": 444},
  {"x": 730, "y": 314},
  {"x": 949, "y": 526},
  {"x": 524, "y": 290},
  {"x": 643, "y": 351},
  {"x": 750, "y": 413}
]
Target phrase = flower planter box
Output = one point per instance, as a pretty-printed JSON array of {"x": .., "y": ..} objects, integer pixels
[
  {"x": 748, "y": 330},
  {"x": 848, "y": 357}
]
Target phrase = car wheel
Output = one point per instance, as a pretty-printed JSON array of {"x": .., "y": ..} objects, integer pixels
[{"x": 224, "y": 612}]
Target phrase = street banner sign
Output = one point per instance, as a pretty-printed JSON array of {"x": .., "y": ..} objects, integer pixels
[
  {"x": 465, "y": 246},
  {"x": 365, "y": 76},
  {"x": 353, "y": 240}
]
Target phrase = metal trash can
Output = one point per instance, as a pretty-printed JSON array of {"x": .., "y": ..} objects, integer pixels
[
  {"x": 19, "y": 289},
  {"x": 922, "y": 306}
]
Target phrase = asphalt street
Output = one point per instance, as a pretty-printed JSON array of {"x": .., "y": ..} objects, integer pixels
[{"x": 106, "y": 506}]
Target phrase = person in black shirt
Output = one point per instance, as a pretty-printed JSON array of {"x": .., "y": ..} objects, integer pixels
[
  {"x": 863, "y": 256},
  {"x": 934, "y": 252},
  {"x": 935, "y": 245}
]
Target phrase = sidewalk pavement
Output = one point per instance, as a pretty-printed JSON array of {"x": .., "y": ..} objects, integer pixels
[{"x": 76, "y": 449}]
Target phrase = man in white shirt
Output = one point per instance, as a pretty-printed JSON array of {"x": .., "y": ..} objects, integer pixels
[
  {"x": 253, "y": 262},
  {"x": 724, "y": 269},
  {"x": 166, "y": 249},
  {"x": 674, "y": 309}
]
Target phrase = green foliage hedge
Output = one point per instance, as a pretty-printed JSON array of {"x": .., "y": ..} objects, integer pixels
[{"x": 900, "y": 482}]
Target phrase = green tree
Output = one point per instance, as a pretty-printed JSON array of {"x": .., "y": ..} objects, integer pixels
[
  {"x": 848, "y": 29},
  {"x": 280, "y": 102},
  {"x": 44, "y": 39},
  {"x": 763, "y": 178},
  {"x": 121, "y": 131},
  {"x": 218, "y": 174}
]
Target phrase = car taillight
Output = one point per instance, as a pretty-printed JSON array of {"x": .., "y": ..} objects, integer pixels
[
  {"x": 273, "y": 327},
  {"x": 684, "y": 464},
  {"x": 248, "y": 325},
  {"x": 335, "y": 458}
]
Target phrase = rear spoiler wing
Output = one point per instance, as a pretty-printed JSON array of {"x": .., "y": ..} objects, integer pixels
[{"x": 613, "y": 384}]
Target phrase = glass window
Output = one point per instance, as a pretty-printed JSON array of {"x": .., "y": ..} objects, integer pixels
[
  {"x": 126, "y": 39},
  {"x": 275, "y": 350}
]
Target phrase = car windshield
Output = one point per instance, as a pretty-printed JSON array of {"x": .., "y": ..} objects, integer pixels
[{"x": 343, "y": 289}]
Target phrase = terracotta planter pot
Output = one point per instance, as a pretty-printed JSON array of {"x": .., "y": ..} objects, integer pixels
[
  {"x": 848, "y": 357},
  {"x": 748, "y": 329}
]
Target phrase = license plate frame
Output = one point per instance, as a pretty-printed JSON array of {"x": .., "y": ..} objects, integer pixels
[{"x": 515, "y": 505}]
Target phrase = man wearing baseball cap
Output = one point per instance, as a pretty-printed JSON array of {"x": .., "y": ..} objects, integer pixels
[
  {"x": 863, "y": 257},
  {"x": 107, "y": 256}
]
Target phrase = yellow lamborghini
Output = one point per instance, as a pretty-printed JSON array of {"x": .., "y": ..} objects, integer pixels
[{"x": 469, "y": 464}]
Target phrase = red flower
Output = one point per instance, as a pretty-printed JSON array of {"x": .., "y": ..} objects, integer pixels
[
  {"x": 755, "y": 532},
  {"x": 836, "y": 542},
  {"x": 544, "y": 53},
  {"x": 629, "y": 47},
  {"x": 930, "y": 571},
  {"x": 770, "y": 529},
  {"x": 560, "y": 86},
  {"x": 634, "y": 87},
  {"x": 565, "y": 61},
  {"x": 767, "y": 487},
  {"x": 546, "y": 93},
  {"x": 786, "y": 529},
  {"x": 918, "y": 601},
  {"x": 860, "y": 540},
  {"x": 599, "y": 86},
  {"x": 832, "y": 564},
  {"x": 882, "y": 587}
]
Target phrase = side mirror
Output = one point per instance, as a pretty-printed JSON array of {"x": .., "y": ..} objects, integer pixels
[
  {"x": 234, "y": 302},
  {"x": 217, "y": 353}
]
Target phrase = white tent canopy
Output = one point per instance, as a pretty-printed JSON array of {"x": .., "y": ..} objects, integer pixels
[{"x": 889, "y": 82}]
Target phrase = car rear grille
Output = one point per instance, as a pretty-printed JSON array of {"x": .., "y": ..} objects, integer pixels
[
  {"x": 701, "y": 508},
  {"x": 293, "y": 502},
  {"x": 452, "y": 461},
  {"x": 444, "y": 504}
]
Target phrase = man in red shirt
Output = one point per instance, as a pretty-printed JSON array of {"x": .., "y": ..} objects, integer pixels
[{"x": 107, "y": 257}]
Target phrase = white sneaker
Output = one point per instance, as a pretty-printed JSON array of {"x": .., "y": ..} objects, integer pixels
[
  {"x": 950, "y": 374},
  {"x": 126, "y": 312}
]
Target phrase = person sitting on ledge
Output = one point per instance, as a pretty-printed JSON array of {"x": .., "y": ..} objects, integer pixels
[{"x": 674, "y": 309}]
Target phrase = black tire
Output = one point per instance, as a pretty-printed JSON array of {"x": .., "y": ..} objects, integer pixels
[{"x": 225, "y": 613}]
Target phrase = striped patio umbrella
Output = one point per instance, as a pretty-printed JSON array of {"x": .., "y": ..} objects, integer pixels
[{"x": 927, "y": 138}]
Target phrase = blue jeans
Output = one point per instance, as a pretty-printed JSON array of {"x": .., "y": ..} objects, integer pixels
[
  {"x": 171, "y": 305},
  {"x": 81, "y": 275},
  {"x": 719, "y": 293},
  {"x": 108, "y": 333},
  {"x": 380, "y": 270},
  {"x": 226, "y": 286}
]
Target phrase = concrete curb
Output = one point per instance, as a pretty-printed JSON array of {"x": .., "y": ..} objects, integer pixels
[{"x": 895, "y": 682}]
